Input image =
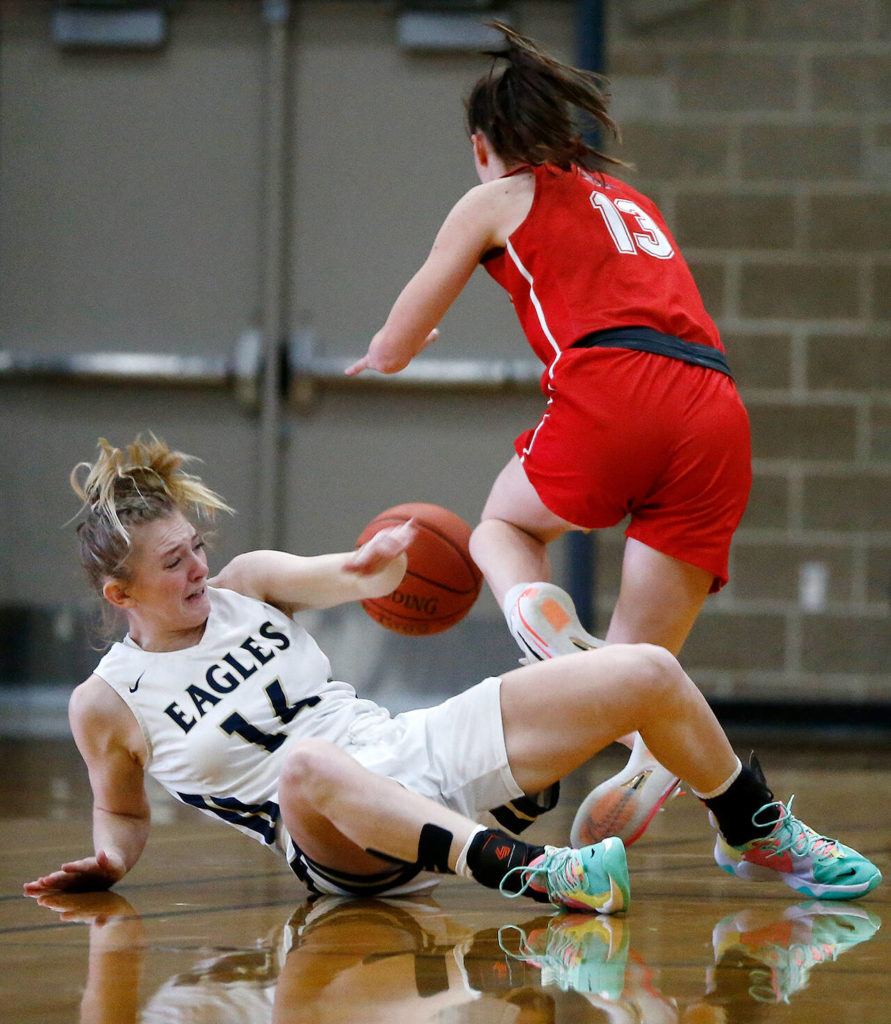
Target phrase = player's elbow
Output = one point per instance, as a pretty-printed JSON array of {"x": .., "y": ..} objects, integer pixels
[
  {"x": 389, "y": 362},
  {"x": 389, "y": 352}
]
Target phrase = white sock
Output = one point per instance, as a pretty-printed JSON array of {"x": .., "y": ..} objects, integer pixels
[
  {"x": 734, "y": 775},
  {"x": 461, "y": 867}
]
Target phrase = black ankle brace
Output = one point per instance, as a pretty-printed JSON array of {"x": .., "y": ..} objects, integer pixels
[
  {"x": 737, "y": 805},
  {"x": 493, "y": 854}
]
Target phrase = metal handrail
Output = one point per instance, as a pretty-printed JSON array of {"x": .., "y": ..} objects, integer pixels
[
  {"x": 117, "y": 367},
  {"x": 424, "y": 373},
  {"x": 242, "y": 370},
  {"x": 306, "y": 369}
]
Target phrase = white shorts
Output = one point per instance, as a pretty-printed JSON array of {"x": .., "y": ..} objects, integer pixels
[{"x": 453, "y": 753}]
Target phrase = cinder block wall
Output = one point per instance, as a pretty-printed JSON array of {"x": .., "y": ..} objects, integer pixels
[{"x": 763, "y": 129}]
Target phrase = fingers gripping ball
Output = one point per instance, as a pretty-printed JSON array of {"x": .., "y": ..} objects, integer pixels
[{"x": 441, "y": 582}]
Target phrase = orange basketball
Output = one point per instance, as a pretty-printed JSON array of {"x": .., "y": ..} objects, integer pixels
[{"x": 441, "y": 582}]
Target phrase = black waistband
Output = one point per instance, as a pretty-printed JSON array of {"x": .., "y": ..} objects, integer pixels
[{"x": 645, "y": 339}]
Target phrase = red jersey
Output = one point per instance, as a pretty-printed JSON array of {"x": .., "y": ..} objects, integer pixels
[
  {"x": 593, "y": 254},
  {"x": 625, "y": 433}
]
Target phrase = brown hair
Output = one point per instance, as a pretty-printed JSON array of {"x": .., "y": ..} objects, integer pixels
[
  {"x": 527, "y": 109},
  {"x": 127, "y": 487}
]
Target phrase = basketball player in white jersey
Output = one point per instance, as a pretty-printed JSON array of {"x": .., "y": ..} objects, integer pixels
[{"x": 228, "y": 703}]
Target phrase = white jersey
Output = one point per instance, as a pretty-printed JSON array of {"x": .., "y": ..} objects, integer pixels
[
  {"x": 216, "y": 716},
  {"x": 237, "y": 987}
]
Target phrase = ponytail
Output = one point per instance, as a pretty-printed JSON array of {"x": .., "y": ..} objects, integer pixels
[{"x": 527, "y": 109}]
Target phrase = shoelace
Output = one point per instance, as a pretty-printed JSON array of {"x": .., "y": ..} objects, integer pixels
[
  {"x": 787, "y": 972},
  {"x": 566, "y": 953},
  {"x": 560, "y": 951},
  {"x": 559, "y": 862},
  {"x": 524, "y": 950},
  {"x": 798, "y": 839},
  {"x": 566, "y": 874}
]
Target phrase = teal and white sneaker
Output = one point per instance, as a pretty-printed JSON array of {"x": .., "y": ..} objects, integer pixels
[
  {"x": 813, "y": 864},
  {"x": 779, "y": 950},
  {"x": 593, "y": 878},
  {"x": 576, "y": 952}
]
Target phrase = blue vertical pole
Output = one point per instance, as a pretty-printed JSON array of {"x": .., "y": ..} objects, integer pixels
[
  {"x": 590, "y": 32},
  {"x": 582, "y": 547}
]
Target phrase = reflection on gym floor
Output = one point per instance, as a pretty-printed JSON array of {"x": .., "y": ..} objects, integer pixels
[
  {"x": 210, "y": 928},
  {"x": 407, "y": 960}
]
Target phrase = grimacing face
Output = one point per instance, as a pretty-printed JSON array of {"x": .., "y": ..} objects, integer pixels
[{"x": 166, "y": 590}]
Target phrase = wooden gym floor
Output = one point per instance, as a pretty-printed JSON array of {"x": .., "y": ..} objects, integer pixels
[{"x": 211, "y": 928}]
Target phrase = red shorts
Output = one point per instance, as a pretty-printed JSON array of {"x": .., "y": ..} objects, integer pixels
[{"x": 643, "y": 435}]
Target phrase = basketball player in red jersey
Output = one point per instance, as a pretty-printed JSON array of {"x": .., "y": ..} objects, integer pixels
[{"x": 643, "y": 419}]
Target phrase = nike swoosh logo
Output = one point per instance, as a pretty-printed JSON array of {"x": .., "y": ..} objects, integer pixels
[
  {"x": 616, "y": 899},
  {"x": 135, "y": 686}
]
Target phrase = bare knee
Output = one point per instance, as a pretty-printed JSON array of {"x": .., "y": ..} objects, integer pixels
[
  {"x": 654, "y": 673},
  {"x": 312, "y": 770},
  {"x": 479, "y": 538}
]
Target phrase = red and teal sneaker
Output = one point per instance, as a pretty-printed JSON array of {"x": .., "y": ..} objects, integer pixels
[
  {"x": 576, "y": 952},
  {"x": 592, "y": 878},
  {"x": 810, "y": 863},
  {"x": 778, "y": 951}
]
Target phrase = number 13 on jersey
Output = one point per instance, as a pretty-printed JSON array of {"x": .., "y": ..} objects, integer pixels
[{"x": 646, "y": 236}]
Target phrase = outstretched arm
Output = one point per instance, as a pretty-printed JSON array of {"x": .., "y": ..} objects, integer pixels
[
  {"x": 112, "y": 747},
  {"x": 295, "y": 582},
  {"x": 467, "y": 233}
]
